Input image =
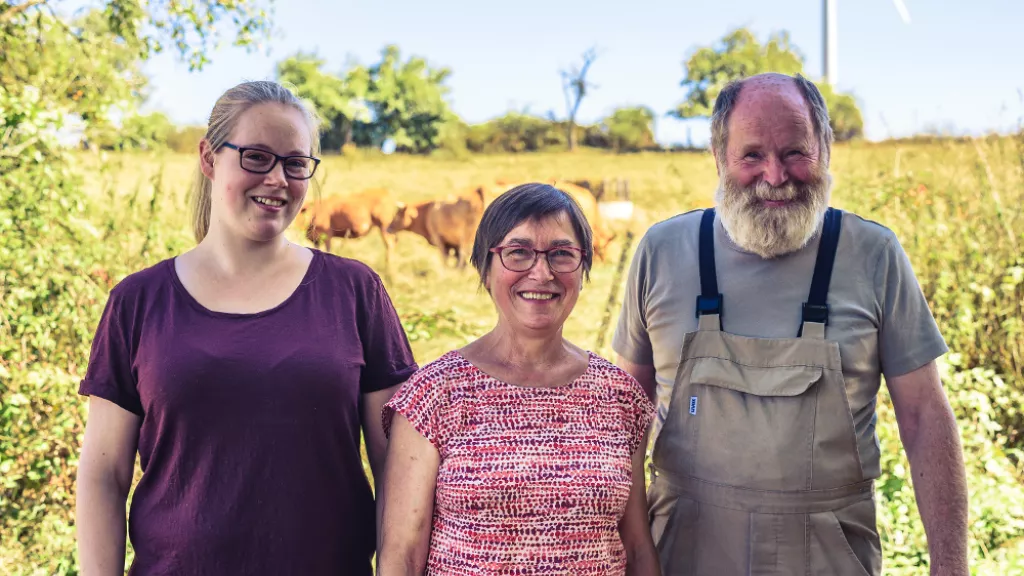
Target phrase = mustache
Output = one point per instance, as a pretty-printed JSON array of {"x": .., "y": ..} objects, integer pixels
[
  {"x": 790, "y": 191},
  {"x": 755, "y": 194}
]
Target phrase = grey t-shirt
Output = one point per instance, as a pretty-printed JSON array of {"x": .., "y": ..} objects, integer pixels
[{"x": 878, "y": 314}]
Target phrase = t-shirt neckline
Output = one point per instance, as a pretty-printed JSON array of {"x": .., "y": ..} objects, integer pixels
[
  {"x": 563, "y": 388},
  {"x": 306, "y": 279}
]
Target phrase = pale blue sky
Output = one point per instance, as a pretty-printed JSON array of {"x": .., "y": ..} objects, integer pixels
[{"x": 958, "y": 64}]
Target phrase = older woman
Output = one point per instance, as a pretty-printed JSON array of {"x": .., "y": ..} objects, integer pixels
[{"x": 520, "y": 453}]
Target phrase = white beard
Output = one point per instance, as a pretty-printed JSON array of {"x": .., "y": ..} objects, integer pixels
[{"x": 772, "y": 232}]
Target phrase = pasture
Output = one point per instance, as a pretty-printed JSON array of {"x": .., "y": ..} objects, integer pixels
[{"x": 955, "y": 205}]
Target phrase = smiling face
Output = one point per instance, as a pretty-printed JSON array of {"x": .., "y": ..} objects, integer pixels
[
  {"x": 775, "y": 185},
  {"x": 537, "y": 301},
  {"x": 257, "y": 207}
]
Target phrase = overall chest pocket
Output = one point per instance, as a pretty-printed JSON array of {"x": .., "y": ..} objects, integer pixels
[{"x": 751, "y": 426}]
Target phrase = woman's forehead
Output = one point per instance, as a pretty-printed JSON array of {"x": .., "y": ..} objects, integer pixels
[
  {"x": 274, "y": 125},
  {"x": 550, "y": 227}
]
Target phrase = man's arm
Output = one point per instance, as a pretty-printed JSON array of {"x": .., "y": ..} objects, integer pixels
[
  {"x": 930, "y": 437},
  {"x": 644, "y": 374},
  {"x": 634, "y": 529}
]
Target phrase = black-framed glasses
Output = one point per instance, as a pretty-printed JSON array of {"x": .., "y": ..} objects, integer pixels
[
  {"x": 260, "y": 161},
  {"x": 561, "y": 259}
]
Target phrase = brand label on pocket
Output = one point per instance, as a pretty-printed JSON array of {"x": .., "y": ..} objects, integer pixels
[{"x": 693, "y": 405}]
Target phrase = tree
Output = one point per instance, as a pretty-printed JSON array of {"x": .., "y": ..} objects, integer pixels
[
  {"x": 52, "y": 69},
  {"x": 407, "y": 101},
  {"x": 72, "y": 66},
  {"x": 186, "y": 138},
  {"x": 515, "y": 132},
  {"x": 739, "y": 54},
  {"x": 341, "y": 102},
  {"x": 575, "y": 87},
  {"x": 844, "y": 115},
  {"x": 136, "y": 132},
  {"x": 630, "y": 129}
]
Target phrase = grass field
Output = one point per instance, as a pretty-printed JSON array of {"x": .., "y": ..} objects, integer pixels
[
  {"x": 445, "y": 298},
  {"x": 955, "y": 205},
  {"x": 874, "y": 180}
]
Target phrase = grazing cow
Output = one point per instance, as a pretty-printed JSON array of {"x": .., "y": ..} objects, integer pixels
[
  {"x": 588, "y": 203},
  {"x": 448, "y": 224},
  {"x": 605, "y": 189},
  {"x": 351, "y": 216}
]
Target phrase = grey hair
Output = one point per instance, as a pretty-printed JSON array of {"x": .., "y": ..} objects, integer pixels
[
  {"x": 223, "y": 119},
  {"x": 523, "y": 203},
  {"x": 726, "y": 100}
]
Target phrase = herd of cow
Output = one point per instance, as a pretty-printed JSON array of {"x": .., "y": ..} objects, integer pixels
[{"x": 448, "y": 223}]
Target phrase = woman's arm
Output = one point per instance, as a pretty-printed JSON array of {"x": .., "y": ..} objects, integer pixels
[
  {"x": 105, "y": 472},
  {"x": 641, "y": 556},
  {"x": 376, "y": 440},
  {"x": 373, "y": 432},
  {"x": 407, "y": 508}
]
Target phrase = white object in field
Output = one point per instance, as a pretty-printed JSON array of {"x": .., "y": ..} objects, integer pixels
[{"x": 616, "y": 210}]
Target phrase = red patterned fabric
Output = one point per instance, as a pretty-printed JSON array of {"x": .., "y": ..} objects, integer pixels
[{"x": 531, "y": 480}]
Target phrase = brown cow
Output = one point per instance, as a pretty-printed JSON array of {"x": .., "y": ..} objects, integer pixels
[
  {"x": 606, "y": 189},
  {"x": 588, "y": 203},
  {"x": 448, "y": 224},
  {"x": 351, "y": 216}
]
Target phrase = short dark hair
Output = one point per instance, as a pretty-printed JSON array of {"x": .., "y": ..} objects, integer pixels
[{"x": 525, "y": 202}]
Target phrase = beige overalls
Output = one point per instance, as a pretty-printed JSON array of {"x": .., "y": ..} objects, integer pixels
[{"x": 756, "y": 466}]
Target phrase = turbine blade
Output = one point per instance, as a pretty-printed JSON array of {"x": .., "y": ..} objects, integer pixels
[{"x": 902, "y": 9}]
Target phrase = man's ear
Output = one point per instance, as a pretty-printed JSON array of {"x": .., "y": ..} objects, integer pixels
[{"x": 206, "y": 158}]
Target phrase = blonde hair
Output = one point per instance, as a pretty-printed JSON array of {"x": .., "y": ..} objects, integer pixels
[{"x": 223, "y": 119}]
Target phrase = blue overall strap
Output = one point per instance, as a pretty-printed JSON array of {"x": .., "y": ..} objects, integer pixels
[
  {"x": 710, "y": 300},
  {"x": 816, "y": 307}
]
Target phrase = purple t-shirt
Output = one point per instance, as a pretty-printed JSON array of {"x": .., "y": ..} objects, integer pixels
[{"x": 249, "y": 442}]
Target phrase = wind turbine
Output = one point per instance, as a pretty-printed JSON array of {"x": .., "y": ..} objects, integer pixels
[{"x": 831, "y": 32}]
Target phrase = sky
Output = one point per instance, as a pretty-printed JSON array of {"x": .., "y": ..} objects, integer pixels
[{"x": 957, "y": 66}]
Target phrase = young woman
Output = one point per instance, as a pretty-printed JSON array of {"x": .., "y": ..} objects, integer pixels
[
  {"x": 242, "y": 372},
  {"x": 520, "y": 453}
]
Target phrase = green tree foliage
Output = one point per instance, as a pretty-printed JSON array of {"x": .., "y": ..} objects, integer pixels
[
  {"x": 139, "y": 132},
  {"x": 515, "y": 132},
  {"x": 843, "y": 113},
  {"x": 186, "y": 138},
  {"x": 394, "y": 99},
  {"x": 737, "y": 55},
  {"x": 630, "y": 129},
  {"x": 340, "y": 101},
  {"x": 740, "y": 54},
  {"x": 71, "y": 66},
  {"x": 52, "y": 284},
  {"x": 408, "y": 103}
]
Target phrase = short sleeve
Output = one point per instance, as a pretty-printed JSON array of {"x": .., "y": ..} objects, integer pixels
[
  {"x": 631, "y": 340},
  {"x": 908, "y": 334},
  {"x": 387, "y": 356},
  {"x": 638, "y": 411},
  {"x": 109, "y": 374},
  {"x": 425, "y": 402}
]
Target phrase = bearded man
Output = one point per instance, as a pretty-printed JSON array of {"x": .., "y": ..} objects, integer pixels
[{"x": 762, "y": 328}]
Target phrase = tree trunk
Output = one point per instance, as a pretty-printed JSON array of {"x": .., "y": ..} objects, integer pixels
[{"x": 572, "y": 135}]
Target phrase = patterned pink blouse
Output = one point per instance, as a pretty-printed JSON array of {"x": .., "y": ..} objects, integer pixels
[{"x": 531, "y": 480}]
